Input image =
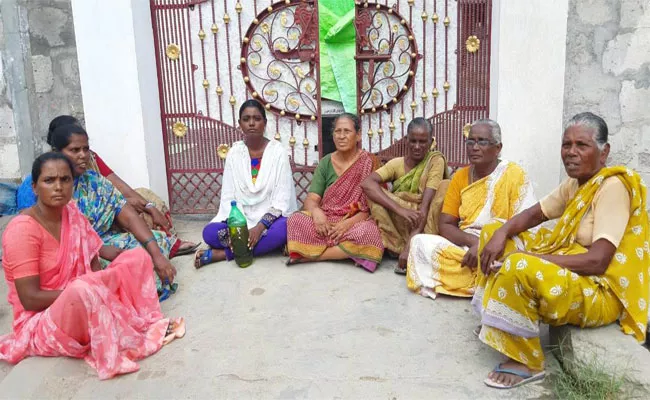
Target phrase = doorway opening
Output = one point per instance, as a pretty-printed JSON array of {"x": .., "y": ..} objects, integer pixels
[{"x": 327, "y": 126}]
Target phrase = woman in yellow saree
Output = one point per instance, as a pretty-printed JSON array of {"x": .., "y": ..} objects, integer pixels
[
  {"x": 590, "y": 270},
  {"x": 413, "y": 205},
  {"x": 488, "y": 189}
]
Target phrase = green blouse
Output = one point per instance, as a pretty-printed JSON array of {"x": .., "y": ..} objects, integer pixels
[{"x": 324, "y": 176}]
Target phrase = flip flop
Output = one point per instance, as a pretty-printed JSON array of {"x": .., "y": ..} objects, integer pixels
[
  {"x": 205, "y": 259},
  {"x": 178, "y": 330},
  {"x": 528, "y": 377},
  {"x": 477, "y": 331},
  {"x": 399, "y": 270},
  {"x": 186, "y": 251}
]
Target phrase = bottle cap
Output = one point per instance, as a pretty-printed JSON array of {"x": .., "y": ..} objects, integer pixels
[{"x": 233, "y": 203}]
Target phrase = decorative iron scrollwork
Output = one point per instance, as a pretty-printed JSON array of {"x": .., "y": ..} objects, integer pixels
[
  {"x": 387, "y": 57},
  {"x": 278, "y": 58}
]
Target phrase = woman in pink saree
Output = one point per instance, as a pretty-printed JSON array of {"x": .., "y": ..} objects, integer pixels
[
  {"x": 334, "y": 223},
  {"x": 62, "y": 307}
]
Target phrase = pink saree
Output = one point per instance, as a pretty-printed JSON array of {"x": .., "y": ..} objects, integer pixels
[
  {"x": 110, "y": 318},
  {"x": 343, "y": 199}
]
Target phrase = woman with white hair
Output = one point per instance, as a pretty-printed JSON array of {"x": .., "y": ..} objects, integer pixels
[
  {"x": 489, "y": 188},
  {"x": 590, "y": 270}
]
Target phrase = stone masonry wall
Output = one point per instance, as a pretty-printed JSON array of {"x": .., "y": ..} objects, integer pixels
[
  {"x": 608, "y": 73},
  {"x": 46, "y": 43},
  {"x": 54, "y": 61}
]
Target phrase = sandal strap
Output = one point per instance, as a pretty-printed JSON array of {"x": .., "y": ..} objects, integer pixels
[
  {"x": 206, "y": 257},
  {"x": 520, "y": 374}
]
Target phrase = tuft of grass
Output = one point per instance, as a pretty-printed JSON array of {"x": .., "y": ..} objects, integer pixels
[{"x": 589, "y": 381}]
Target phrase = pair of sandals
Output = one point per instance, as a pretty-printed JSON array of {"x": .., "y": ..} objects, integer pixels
[{"x": 527, "y": 377}]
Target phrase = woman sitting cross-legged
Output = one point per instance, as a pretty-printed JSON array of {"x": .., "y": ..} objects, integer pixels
[
  {"x": 412, "y": 207},
  {"x": 63, "y": 303},
  {"x": 114, "y": 220},
  {"x": 334, "y": 223},
  {"x": 590, "y": 270},
  {"x": 258, "y": 176},
  {"x": 490, "y": 188}
]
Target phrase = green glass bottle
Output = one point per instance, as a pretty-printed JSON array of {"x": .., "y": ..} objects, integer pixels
[{"x": 238, "y": 229}]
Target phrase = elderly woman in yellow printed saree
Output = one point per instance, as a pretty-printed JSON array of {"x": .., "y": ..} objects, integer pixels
[
  {"x": 590, "y": 270},
  {"x": 490, "y": 188},
  {"x": 410, "y": 208}
]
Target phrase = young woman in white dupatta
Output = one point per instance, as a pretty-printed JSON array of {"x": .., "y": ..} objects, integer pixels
[
  {"x": 258, "y": 176},
  {"x": 489, "y": 189}
]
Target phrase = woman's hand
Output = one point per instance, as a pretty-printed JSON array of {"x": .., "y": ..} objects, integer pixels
[
  {"x": 320, "y": 222},
  {"x": 493, "y": 250},
  {"x": 339, "y": 229},
  {"x": 413, "y": 217},
  {"x": 137, "y": 202},
  {"x": 471, "y": 257},
  {"x": 95, "y": 264},
  {"x": 164, "y": 269},
  {"x": 255, "y": 234},
  {"x": 160, "y": 222},
  {"x": 109, "y": 253}
]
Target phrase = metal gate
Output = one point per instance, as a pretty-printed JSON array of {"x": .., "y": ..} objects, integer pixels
[{"x": 427, "y": 58}]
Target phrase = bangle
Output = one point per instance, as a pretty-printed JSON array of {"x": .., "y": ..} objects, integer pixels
[
  {"x": 146, "y": 242},
  {"x": 149, "y": 205}
]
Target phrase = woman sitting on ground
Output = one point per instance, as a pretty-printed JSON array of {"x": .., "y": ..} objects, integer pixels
[
  {"x": 488, "y": 189},
  {"x": 590, "y": 270},
  {"x": 144, "y": 201},
  {"x": 257, "y": 175},
  {"x": 409, "y": 209},
  {"x": 114, "y": 220},
  {"x": 61, "y": 306},
  {"x": 334, "y": 223}
]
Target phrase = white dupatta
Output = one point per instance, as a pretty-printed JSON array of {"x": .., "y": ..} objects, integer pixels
[{"x": 273, "y": 192}]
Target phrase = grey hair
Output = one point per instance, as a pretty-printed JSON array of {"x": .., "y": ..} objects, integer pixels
[
  {"x": 495, "y": 129},
  {"x": 420, "y": 123},
  {"x": 598, "y": 125}
]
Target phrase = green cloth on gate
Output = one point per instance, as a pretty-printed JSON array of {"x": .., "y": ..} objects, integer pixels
[
  {"x": 337, "y": 39},
  {"x": 411, "y": 182}
]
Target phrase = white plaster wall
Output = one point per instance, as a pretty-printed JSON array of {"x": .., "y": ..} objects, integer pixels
[
  {"x": 528, "y": 85},
  {"x": 118, "y": 82}
]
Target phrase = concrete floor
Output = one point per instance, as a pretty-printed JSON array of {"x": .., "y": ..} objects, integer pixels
[{"x": 318, "y": 331}]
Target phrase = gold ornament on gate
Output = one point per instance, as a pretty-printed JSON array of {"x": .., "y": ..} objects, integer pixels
[
  {"x": 446, "y": 86},
  {"x": 305, "y": 143},
  {"x": 214, "y": 28},
  {"x": 219, "y": 91},
  {"x": 435, "y": 18},
  {"x": 179, "y": 129},
  {"x": 277, "y": 136},
  {"x": 370, "y": 133},
  {"x": 466, "y": 129},
  {"x": 226, "y": 19},
  {"x": 206, "y": 83},
  {"x": 172, "y": 51},
  {"x": 446, "y": 21},
  {"x": 435, "y": 92},
  {"x": 201, "y": 34},
  {"x": 238, "y": 7},
  {"x": 292, "y": 141},
  {"x": 472, "y": 44},
  {"x": 391, "y": 126},
  {"x": 222, "y": 151},
  {"x": 232, "y": 100}
]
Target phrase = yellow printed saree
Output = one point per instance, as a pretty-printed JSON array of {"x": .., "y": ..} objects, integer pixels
[
  {"x": 434, "y": 263},
  {"x": 407, "y": 192},
  {"x": 527, "y": 289}
]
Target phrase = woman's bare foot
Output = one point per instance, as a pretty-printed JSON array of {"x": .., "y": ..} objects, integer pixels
[
  {"x": 186, "y": 248},
  {"x": 175, "y": 330}
]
